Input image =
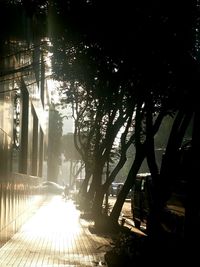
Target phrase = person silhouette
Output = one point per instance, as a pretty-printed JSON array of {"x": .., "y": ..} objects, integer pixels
[{"x": 66, "y": 192}]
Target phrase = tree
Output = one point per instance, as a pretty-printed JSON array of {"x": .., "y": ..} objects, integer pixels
[
  {"x": 149, "y": 70},
  {"x": 96, "y": 118}
]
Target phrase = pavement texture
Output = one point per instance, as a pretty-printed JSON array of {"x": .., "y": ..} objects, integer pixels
[{"x": 55, "y": 235}]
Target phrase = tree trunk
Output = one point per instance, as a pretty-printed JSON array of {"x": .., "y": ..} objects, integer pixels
[
  {"x": 115, "y": 213},
  {"x": 169, "y": 173},
  {"x": 84, "y": 186}
]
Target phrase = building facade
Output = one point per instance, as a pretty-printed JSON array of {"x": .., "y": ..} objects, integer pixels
[{"x": 24, "y": 102}]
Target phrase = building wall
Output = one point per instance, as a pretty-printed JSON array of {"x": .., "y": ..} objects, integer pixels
[{"x": 23, "y": 134}]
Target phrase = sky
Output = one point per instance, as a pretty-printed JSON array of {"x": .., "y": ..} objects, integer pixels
[{"x": 68, "y": 125}]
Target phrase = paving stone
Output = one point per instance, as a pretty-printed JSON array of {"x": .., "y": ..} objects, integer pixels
[{"x": 54, "y": 236}]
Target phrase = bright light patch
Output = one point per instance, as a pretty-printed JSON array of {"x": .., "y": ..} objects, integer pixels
[
  {"x": 58, "y": 225},
  {"x": 53, "y": 87}
]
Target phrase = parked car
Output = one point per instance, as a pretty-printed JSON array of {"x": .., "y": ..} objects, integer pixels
[
  {"x": 173, "y": 214},
  {"x": 140, "y": 198},
  {"x": 115, "y": 188},
  {"x": 49, "y": 187}
]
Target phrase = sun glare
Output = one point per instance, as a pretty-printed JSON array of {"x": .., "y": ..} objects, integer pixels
[
  {"x": 53, "y": 229},
  {"x": 53, "y": 87}
]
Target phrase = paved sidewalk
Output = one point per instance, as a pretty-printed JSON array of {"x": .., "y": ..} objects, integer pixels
[{"x": 54, "y": 236}]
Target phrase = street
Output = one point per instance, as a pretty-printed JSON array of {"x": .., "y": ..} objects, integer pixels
[
  {"x": 126, "y": 209},
  {"x": 127, "y": 214}
]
